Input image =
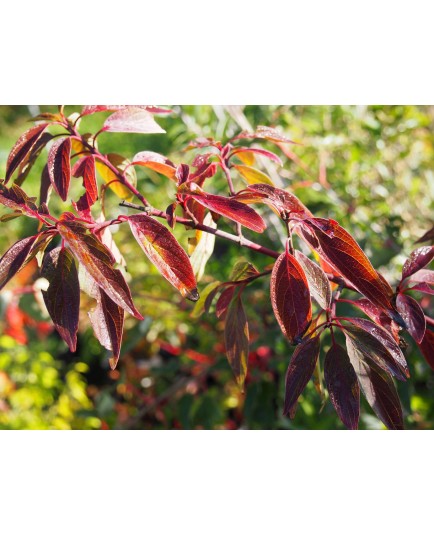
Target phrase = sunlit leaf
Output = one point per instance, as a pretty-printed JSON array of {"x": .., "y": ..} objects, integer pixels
[
  {"x": 266, "y": 133},
  {"x": 22, "y": 147},
  {"x": 121, "y": 164},
  {"x": 300, "y": 371},
  {"x": 237, "y": 340},
  {"x": 262, "y": 152},
  {"x": 284, "y": 203},
  {"x": 423, "y": 276},
  {"x": 85, "y": 167},
  {"x": 207, "y": 294},
  {"x": 156, "y": 162},
  {"x": 318, "y": 283},
  {"x": 203, "y": 249},
  {"x": 165, "y": 253},
  {"x": 98, "y": 261},
  {"x": 16, "y": 199},
  {"x": 418, "y": 259},
  {"x": 59, "y": 166},
  {"x": 413, "y": 316},
  {"x": 27, "y": 164},
  {"x": 342, "y": 385},
  {"x": 252, "y": 175},
  {"x": 134, "y": 120},
  {"x": 224, "y": 301},
  {"x": 92, "y": 109},
  {"x": 62, "y": 298},
  {"x": 290, "y": 297}
]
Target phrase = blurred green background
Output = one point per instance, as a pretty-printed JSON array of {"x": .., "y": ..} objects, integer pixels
[{"x": 369, "y": 167}]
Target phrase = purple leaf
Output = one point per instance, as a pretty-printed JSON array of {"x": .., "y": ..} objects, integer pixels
[
  {"x": 14, "y": 258},
  {"x": 237, "y": 340},
  {"x": 413, "y": 316},
  {"x": 59, "y": 166},
  {"x": 22, "y": 148},
  {"x": 318, "y": 283},
  {"x": 417, "y": 260}
]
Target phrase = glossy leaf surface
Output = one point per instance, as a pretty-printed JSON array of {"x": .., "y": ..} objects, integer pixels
[
  {"x": 156, "y": 162},
  {"x": 59, "y": 166},
  {"x": 14, "y": 259},
  {"x": 85, "y": 167},
  {"x": 290, "y": 297},
  {"x": 417, "y": 260},
  {"x": 413, "y": 316},
  {"x": 318, "y": 283},
  {"x": 133, "y": 120},
  {"x": 22, "y": 147}
]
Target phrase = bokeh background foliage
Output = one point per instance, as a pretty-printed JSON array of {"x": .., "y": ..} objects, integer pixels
[{"x": 369, "y": 167}]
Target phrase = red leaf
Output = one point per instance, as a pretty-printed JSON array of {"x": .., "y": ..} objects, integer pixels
[
  {"x": 234, "y": 210},
  {"x": 22, "y": 147},
  {"x": 262, "y": 152},
  {"x": 429, "y": 235},
  {"x": 299, "y": 372},
  {"x": 132, "y": 119},
  {"x": 413, "y": 316},
  {"x": 107, "y": 320},
  {"x": 16, "y": 198},
  {"x": 378, "y": 388},
  {"x": 426, "y": 346},
  {"x": 165, "y": 253},
  {"x": 92, "y": 109},
  {"x": 14, "y": 259},
  {"x": 59, "y": 166},
  {"x": 341, "y": 250},
  {"x": 28, "y": 162},
  {"x": 417, "y": 260},
  {"x": 318, "y": 283},
  {"x": 156, "y": 162},
  {"x": 85, "y": 167},
  {"x": 62, "y": 298},
  {"x": 97, "y": 261},
  {"x": 237, "y": 340},
  {"x": 283, "y": 202},
  {"x": 342, "y": 385},
  {"x": 423, "y": 276},
  {"x": 422, "y": 287},
  {"x": 377, "y": 315},
  {"x": 290, "y": 297},
  {"x": 224, "y": 301},
  {"x": 377, "y": 345}
]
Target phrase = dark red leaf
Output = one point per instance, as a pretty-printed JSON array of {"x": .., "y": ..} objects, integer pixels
[
  {"x": 224, "y": 301},
  {"x": 283, "y": 202},
  {"x": 107, "y": 320},
  {"x": 85, "y": 167},
  {"x": 413, "y": 316},
  {"x": 342, "y": 385},
  {"x": 22, "y": 148},
  {"x": 428, "y": 236},
  {"x": 341, "y": 250},
  {"x": 417, "y": 260},
  {"x": 378, "y": 388},
  {"x": 378, "y": 316},
  {"x": 97, "y": 261},
  {"x": 27, "y": 164},
  {"x": 45, "y": 186},
  {"x": 377, "y": 345},
  {"x": 165, "y": 253},
  {"x": 237, "y": 340},
  {"x": 262, "y": 152},
  {"x": 290, "y": 297},
  {"x": 299, "y": 372},
  {"x": 14, "y": 259},
  {"x": 62, "y": 298},
  {"x": 234, "y": 210},
  {"x": 132, "y": 119},
  {"x": 59, "y": 166},
  {"x": 422, "y": 287},
  {"x": 426, "y": 346},
  {"x": 16, "y": 198},
  {"x": 318, "y": 283}
]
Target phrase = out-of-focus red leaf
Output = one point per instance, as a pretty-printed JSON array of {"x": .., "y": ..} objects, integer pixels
[
  {"x": 198, "y": 357},
  {"x": 428, "y": 236},
  {"x": 15, "y": 258},
  {"x": 417, "y": 260},
  {"x": 228, "y": 207},
  {"x": 265, "y": 133},
  {"x": 426, "y": 346},
  {"x": 59, "y": 166},
  {"x": 423, "y": 276},
  {"x": 262, "y": 152},
  {"x": 422, "y": 287},
  {"x": 165, "y": 253},
  {"x": 300, "y": 370},
  {"x": 92, "y": 109},
  {"x": 62, "y": 298},
  {"x": 413, "y": 316},
  {"x": 376, "y": 345},
  {"x": 378, "y": 388},
  {"x": 107, "y": 320},
  {"x": 318, "y": 283},
  {"x": 97, "y": 261},
  {"x": 224, "y": 301},
  {"x": 342, "y": 385},
  {"x": 342, "y": 251},
  {"x": 15, "y": 321},
  {"x": 290, "y": 297},
  {"x": 284, "y": 203},
  {"x": 22, "y": 148},
  {"x": 156, "y": 162},
  {"x": 237, "y": 340},
  {"x": 134, "y": 120},
  {"x": 17, "y": 199}
]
